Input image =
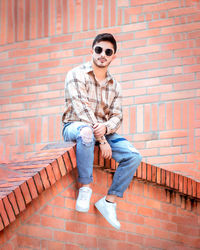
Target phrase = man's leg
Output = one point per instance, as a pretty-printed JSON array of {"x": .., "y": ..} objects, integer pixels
[
  {"x": 83, "y": 135},
  {"x": 129, "y": 159}
]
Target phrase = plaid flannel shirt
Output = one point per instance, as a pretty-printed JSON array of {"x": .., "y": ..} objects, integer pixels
[{"x": 87, "y": 101}]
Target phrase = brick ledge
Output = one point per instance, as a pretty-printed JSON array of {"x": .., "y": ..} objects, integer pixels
[{"x": 21, "y": 182}]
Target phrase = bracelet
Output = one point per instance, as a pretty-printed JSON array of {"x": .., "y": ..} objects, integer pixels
[{"x": 103, "y": 142}]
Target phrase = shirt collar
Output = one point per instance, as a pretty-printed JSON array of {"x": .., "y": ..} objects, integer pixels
[{"x": 88, "y": 68}]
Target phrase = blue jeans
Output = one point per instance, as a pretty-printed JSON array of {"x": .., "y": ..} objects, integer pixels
[{"x": 122, "y": 151}]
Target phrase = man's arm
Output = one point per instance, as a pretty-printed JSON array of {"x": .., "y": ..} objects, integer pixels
[{"x": 115, "y": 115}]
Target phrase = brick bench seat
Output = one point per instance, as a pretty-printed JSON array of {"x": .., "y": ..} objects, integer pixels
[{"x": 21, "y": 182}]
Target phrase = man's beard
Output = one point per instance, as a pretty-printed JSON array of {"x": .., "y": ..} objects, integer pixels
[{"x": 100, "y": 66}]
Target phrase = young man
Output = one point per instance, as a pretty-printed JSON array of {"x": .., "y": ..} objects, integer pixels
[{"x": 94, "y": 113}]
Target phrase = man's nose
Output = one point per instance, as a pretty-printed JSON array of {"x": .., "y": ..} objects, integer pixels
[{"x": 103, "y": 53}]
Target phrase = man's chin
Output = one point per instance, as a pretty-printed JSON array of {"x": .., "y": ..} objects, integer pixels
[{"x": 100, "y": 64}]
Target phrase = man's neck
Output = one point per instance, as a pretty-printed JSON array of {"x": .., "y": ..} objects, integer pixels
[{"x": 100, "y": 73}]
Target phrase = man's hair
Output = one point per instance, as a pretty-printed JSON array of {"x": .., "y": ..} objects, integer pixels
[{"x": 105, "y": 37}]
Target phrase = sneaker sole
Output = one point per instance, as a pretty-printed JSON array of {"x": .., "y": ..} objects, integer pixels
[
  {"x": 104, "y": 215},
  {"x": 82, "y": 210}
]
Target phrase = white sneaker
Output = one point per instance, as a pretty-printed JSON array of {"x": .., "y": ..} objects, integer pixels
[
  {"x": 83, "y": 200},
  {"x": 108, "y": 210}
]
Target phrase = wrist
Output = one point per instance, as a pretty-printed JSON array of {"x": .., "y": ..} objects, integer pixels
[{"x": 103, "y": 142}]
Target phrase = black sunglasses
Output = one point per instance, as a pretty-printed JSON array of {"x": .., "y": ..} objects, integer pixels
[{"x": 98, "y": 50}]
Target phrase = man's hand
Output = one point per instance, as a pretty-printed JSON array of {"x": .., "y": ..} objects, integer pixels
[
  {"x": 99, "y": 129},
  {"x": 106, "y": 151}
]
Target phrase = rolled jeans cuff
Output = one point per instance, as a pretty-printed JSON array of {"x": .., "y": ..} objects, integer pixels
[
  {"x": 118, "y": 194},
  {"x": 85, "y": 180}
]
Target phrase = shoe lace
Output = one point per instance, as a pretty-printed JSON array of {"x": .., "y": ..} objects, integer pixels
[{"x": 84, "y": 194}]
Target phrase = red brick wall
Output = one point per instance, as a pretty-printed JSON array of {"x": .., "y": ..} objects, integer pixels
[
  {"x": 157, "y": 65},
  {"x": 149, "y": 219}
]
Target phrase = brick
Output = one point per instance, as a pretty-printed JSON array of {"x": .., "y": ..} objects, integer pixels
[
  {"x": 50, "y": 174},
  {"x": 22, "y": 99},
  {"x": 9, "y": 209},
  {"x": 52, "y": 222},
  {"x": 123, "y": 206},
  {"x": 58, "y": 201},
  {"x": 62, "y": 165},
  {"x": 173, "y": 134},
  {"x": 32, "y": 188},
  {"x": 51, "y": 245},
  {"x": 67, "y": 161},
  {"x": 39, "y": 58},
  {"x": 93, "y": 230},
  {"x": 76, "y": 227},
  {"x": 48, "y": 64},
  {"x": 50, "y": 48},
  {"x": 36, "y": 231},
  {"x": 131, "y": 27},
  {"x": 181, "y": 183},
  {"x": 163, "y": 177},
  {"x": 96, "y": 155},
  {"x": 40, "y": 20},
  {"x": 160, "y": 72},
  {"x": 145, "y": 211},
  {"x": 1, "y": 224},
  {"x": 146, "y": 66},
  {"x": 44, "y": 179},
  {"x": 25, "y": 192},
  {"x": 175, "y": 46},
  {"x": 180, "y": 28},
  {"x": 172, "y": 150},
  {"x": 12, "y": 199},
  {"x": 191, "y": 69},
  {"x": 146, "y": 50},
  {"x": 22, "y": 52},
  {"x": 61, "y": 54},
  {"x": 182, "y": 12},
  {"x": 38, "y": 183},
  {"x": 139, "y": 172},
  {"x": 56, "y": 170},
  {"x": 3, "y": 214},
  {"x": 25, "y": 241},
  {"x": 198, "y": 190},
  {"x": 141, "y": 230},
  {"x": 46, "y": 210},
  {"x": 72, "y": 156},
  {"x": 147, "y": 99},
  {"x": 147, "y": 33},
  {"x": 84, "y": 240},
  {"x": 20, "y": 199},
  {"x": 134, "y": 92},
  {"x": 61, "y": 39}
]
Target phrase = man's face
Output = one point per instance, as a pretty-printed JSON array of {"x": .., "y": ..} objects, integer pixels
[{"x": 103, "y": 54}]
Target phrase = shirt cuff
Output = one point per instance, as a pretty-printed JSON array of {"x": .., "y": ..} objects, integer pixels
[{"x": 108, "y": 129}]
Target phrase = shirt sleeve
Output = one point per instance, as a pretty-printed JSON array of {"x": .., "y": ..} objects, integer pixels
[
  {"x": 115, "y": 115},
  {"x": 76, "y": 95}
]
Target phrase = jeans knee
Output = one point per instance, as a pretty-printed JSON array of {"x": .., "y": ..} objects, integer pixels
[{"x": 86, "y": 134}]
